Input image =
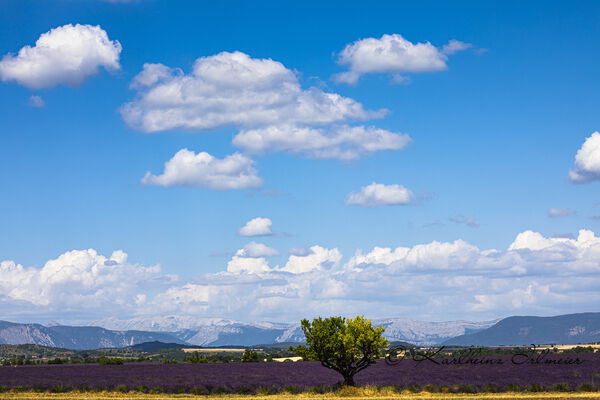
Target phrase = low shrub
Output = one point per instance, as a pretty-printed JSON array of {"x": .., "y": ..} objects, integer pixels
[
  {"x": 110, "y": 361},
  {"x": 561, "y": 387},
  {"x": 157, "y": 390},
  {"x": 412, "y": 389},
  {"x": 265, "y": 390},
  {"x": 320, "y": 389},
  {"x": 291, "y": 389},
  {"x": 431, "y": 388},
  {"x": 38, "y": 389},
  {"x": 121, "y": 389},
  {"x": 243, "y": 390},
  {"x": 141, "y": 389},
  {"x": 178, "y": 390},
  {"x": 536, "y": 387},
  {"x": 513, "y": 387},
  {"x": 466, "y": 388},
  {"x": 60, "y": 389},
  {"x": 489, "y": 389},
  {"x": 84, "y": 388},
  {"x": 586, "y": 387},
  {"x": 388, "y": 390},
  {"x": 445, "y": 389},
  {"x": 221, "y": 390},
  {"x": 19, "y": 389},
  {"x": 198, "y": 390}
]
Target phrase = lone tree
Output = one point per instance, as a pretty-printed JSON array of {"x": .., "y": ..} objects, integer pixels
[{"x": 345, "y": 345}]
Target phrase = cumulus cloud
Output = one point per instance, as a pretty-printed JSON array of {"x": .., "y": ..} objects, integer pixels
[
  {"x": 395, "y": 55},
  {"x": 560, "y": 212},
  {"x": 437, "y": 280},
  {"x": 341, "y": 142},
  {"x": 65, "y": 55},
  {"x": 253, "y": 265},
  {"x": 319, "y": 258},
  {"x": 254, "y": 249},
  {"x": 187, "y": 168},
  {"x": 257, "y": 227},
  {"x": 36, "y": 101},
  {"x": 377, "y": 195},
  {"x": 231, "y": 89},
  {"x": 81, "y": 280},
  {"x": 448, "y": 279},
  {"x": 587, "y": 161}
]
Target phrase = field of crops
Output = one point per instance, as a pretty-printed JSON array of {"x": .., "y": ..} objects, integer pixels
[
  {"x": 246, "y": 378},
  {"x": 333, "y": 396}
]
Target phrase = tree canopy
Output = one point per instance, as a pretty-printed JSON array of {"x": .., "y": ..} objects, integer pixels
[{"x": 346, "y": 345}]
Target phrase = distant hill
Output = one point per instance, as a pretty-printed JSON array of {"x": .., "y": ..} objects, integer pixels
[
  {"x": 563, "y": 329},
  {"x": 77, "y": 337},
  {"x": 221, "y": 332},
  {"x": 156, "y": 345},
  {"x": 186, "y": 331}
]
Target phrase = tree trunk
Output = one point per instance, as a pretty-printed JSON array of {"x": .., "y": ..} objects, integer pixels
[{"x": 349, "y": 380}]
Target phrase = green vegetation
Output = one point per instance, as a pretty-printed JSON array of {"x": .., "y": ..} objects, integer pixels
[
  {"x": 30, "y": 354},
  {"x": 344, "y": 345}
]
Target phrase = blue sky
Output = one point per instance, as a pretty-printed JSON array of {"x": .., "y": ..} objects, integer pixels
[{"x": 494, "y": 134}]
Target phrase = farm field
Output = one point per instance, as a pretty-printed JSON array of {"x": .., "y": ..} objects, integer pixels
[
  {"x": 424, "y": 396},
  {"x": 248, "y": 378}
]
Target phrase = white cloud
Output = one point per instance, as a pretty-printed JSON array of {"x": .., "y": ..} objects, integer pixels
[
  {"x": 454, "y": 46},
  {"x": 560, "y": 212},
  {"x": 186, "y": 168},
  {"x": 446, "y": 279},
  {"x": 257, "y": 227},
  {"x": 36, "y": 101},
  {"x": 587, "y": 161},
  {"x": 251, "y": 265},
  {"x": 65, "y": 55},
  {"x": 81, "y": 280},
  {"x": 395, "y": 55},
  {"x": 428, "y": 281},
  {"x": 231, "y": 89},
  {"x": 341, "y": 142},
  {"x": 377, "y": 195},
  {"x": 254, "y": 249},
  {"x": 320, "y": 258}
]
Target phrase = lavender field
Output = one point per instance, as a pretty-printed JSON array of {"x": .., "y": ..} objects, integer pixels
[{"x": 247, "y": 377}]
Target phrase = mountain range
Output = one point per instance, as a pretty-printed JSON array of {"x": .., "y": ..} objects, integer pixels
[
  {"x": 563, "y": 329},
  {"x": 116, "y": 333}
]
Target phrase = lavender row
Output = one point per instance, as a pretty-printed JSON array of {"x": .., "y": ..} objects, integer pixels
[{"x": 238, "y": 377}]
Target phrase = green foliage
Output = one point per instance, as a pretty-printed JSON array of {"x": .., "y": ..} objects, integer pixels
[
  {"x": 561, "y": 387},
  {"x": 431, "y": 388},
  {"x": 250, "y": 356},
  {"x": 513, "y": 387},
  {"x": 198, "y": 390},
  {"x": 586, "y": 387},
  {"x": 60, "y": 389},
  {"x": 489, "y": 389},
  {"x": 344, "y": 345},
  {"x": 291, "y": 389},
  {"x": 141, "y": 389},
  {"x": 196, "y": 358},
  {"x": 266, "y": 390},
  {"x": 110, "y": 361},
  {"x": 536, "y": 387},
  {"x": 121, "y": 389},
  {"x": 466, "y": 388}
]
